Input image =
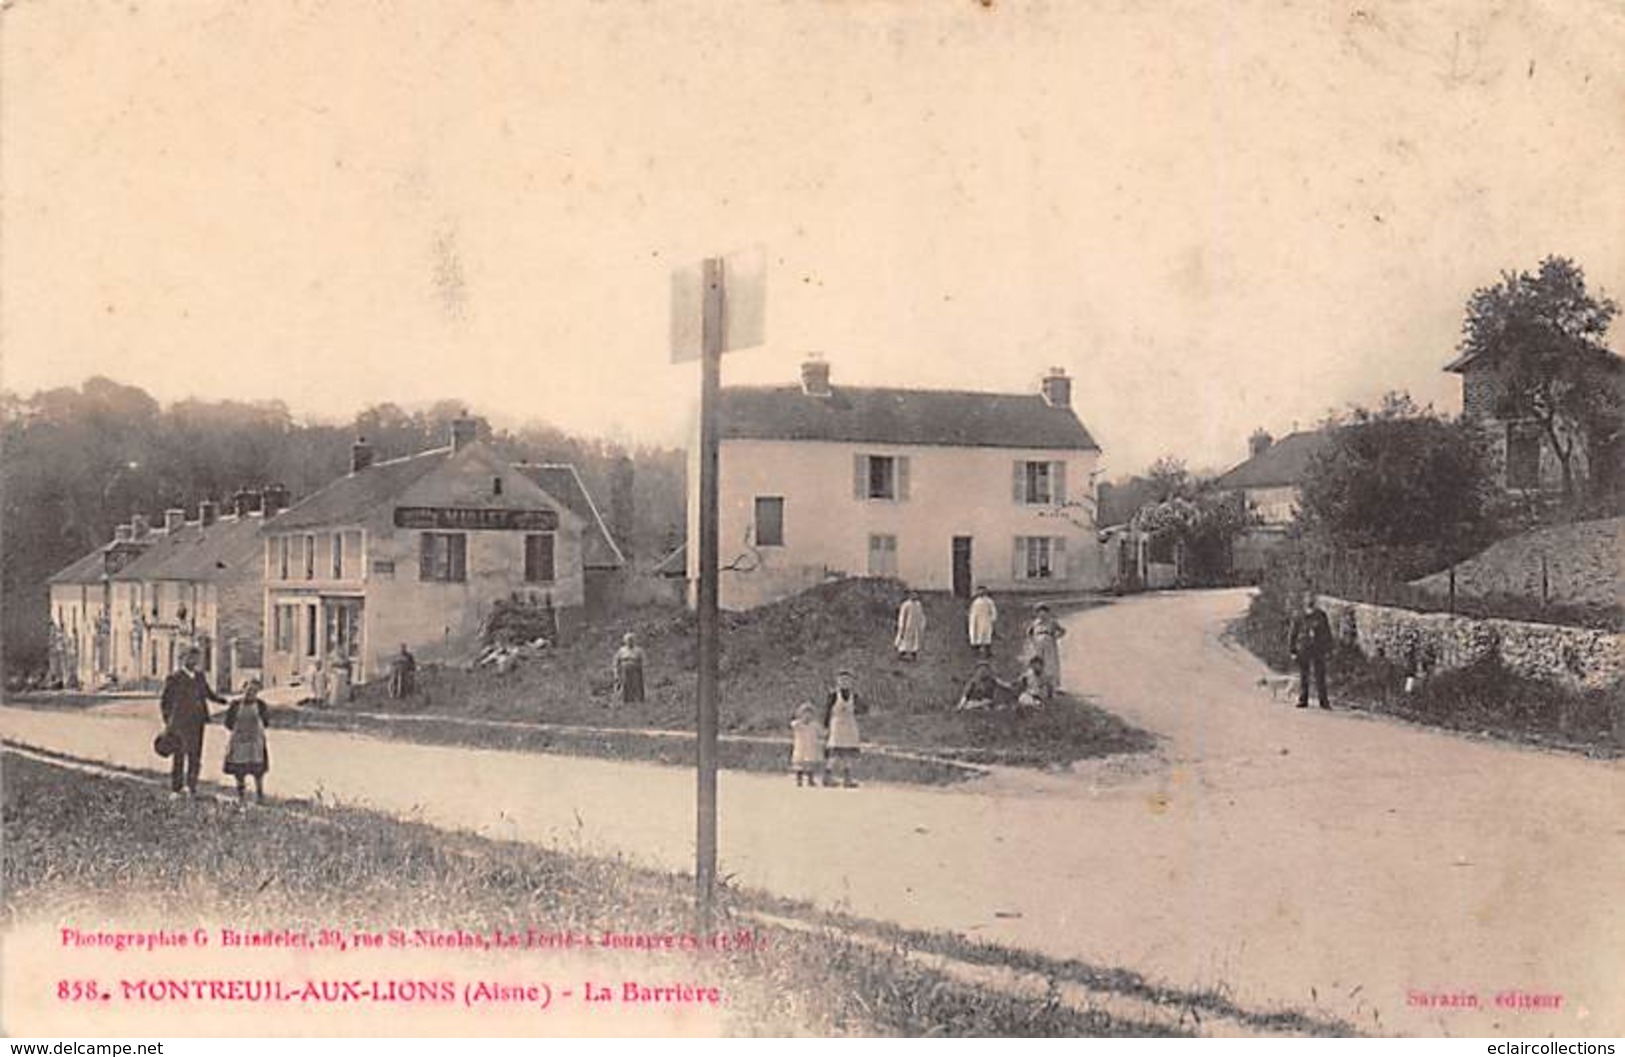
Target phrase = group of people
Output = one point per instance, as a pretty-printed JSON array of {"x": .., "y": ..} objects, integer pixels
[
  {"x": 825, "y": 745},
  {"x": 1040, "y": 676},
  {"x": 184, "y": 708}
]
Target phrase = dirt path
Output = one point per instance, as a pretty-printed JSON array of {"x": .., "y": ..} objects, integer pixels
[{"x": 1323, "y": 862}]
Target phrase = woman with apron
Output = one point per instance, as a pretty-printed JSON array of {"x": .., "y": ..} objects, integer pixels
[
  {"x": 841, "y": 712},
  {"x": 247, "y": 753}
]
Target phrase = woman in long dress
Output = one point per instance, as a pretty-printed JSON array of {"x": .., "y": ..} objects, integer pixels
[
  {"x": 247, "y": 753},
  {"x": 1044, "y": 634},
  {"x": 910, "y": 627},
  {"x": 629, "y": 671}
]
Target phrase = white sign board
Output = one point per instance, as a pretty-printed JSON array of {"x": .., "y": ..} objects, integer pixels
[{"x": 743, "y": 304}]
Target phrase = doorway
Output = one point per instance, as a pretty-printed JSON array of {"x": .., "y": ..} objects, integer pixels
[{"x": 962, "y": 566}]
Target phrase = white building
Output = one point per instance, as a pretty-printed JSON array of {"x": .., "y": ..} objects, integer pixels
[
  {"x": 1270, "y": 483},
  {"x": 943, "y": 490}
]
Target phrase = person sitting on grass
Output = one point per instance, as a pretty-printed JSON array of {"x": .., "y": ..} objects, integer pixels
[
  {"x": 1033, "y": 688},
  {"x": 246, "y": 752},
  {"x": 983, "y": 691},
  {"x": 806, "y": 746}
]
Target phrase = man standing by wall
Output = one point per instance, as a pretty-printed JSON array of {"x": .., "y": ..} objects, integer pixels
[
  {"x": 1310, "y": 640},
  {"x": 185, "y": 708}
]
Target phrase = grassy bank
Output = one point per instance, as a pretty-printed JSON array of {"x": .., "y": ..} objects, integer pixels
[
  {"x": 1484, "y": 698},
  {"x": 107, "y": 850},
  {"x": 776, "y": 656}
]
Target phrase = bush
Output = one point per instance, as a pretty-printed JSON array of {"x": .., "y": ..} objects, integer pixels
[{"x": 513, "y": 621}]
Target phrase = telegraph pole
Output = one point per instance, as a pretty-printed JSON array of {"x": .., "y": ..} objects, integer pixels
[{"x": 710, "y": 690}]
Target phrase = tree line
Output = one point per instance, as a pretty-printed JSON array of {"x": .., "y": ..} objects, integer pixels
[{"x": 78, "y": 461}]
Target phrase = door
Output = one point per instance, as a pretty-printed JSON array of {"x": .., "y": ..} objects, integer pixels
[{"x": 962, "y": 566}]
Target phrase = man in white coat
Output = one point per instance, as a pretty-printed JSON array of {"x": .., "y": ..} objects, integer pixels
[
  {"x": 983, "y": 615},
  {"x": 910, "y": 627}
]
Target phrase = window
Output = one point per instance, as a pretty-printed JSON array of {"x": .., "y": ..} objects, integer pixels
[
  {"x": 1039, "y": 483},
  {"x": 310, "y": 557},
  {"x": 284, "y": 545},
  {"x": 882, "y": 555},
  {"x": 769, "y": 521},
  {"x": 338, "y": 555},
  {"x": 1039, "y": 558},
  {"x": 310, "y": 631},
  {"x": 282, "y": 621},
  {"x": 443, "y": 556},
  {"x": 880, "y": 477},
  {"x": 539, "y": 558},
  {"x": 1523, "y": 455},
  {"x": 496, "y": 486}
]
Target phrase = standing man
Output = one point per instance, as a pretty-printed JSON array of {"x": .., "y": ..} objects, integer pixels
[
  {"x": 185, "y": 708},
  {"x": 1310, "y": 640},
  {"x": 402, "y": 672},
  {"x": 983, "y": 615},
  {"x": 910, "y": 627}
]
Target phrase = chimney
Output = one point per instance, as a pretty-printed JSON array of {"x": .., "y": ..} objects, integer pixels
[
  {"x": 621, "y": 503},
  {"x": 815, "y": 376},
  {"x": 208, "y": 512},
  {"x": 244, "y": 502},
  {"x": 360, "y": 455},
  {"x": 1259, "y": 443},
  {"x": 123, "y": 534},
  {"x": 139, "y": 527},
  {"x": 463, "y": 432},
  {"x": 1057, "y": 388},
  {"x": 274, "y": 498},
  {"x": 174, "y": 518}
]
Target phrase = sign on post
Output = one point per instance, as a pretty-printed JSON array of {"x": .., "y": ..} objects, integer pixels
[{"x": 744, "y": 305}]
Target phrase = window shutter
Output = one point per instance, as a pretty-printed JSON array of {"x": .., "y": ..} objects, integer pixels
[
  {"x": 902, "y": 477},
  {"x": 1018, "y": 559},
  {"x": 1018, "y": 481},
  {"x": 1057, "y": 558},
  {"x": 860, "y": 477},
  {"x": 459, "y": 558},
  {"x": 1058, "y": 482},
  {"x": 425, "y": 556}
]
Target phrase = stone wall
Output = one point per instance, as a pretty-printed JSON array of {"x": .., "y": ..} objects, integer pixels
[{"x": 1577, "y": 658}]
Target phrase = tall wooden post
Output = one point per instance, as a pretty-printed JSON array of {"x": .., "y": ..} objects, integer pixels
[{"x": 709, "y": 697}]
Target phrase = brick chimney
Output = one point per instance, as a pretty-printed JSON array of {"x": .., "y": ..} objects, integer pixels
[
  {"x": 1259, "y": 443},
  {"x": 464, "y": 431},
  {"x": 1057, "y": 388},
  {"x": 123, "y": 534},
  {"x": 244, "y": 501},
  {"x": 208, "y": 512},
  {"x": 174, "y": 518},
  {"x": 274, "y": 497},
  {"x": 360, "y": 455},
  {"x": 139, "y": 527},
  {"x": 815, "y": 376}
]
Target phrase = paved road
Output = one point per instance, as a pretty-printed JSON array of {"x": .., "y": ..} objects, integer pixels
[{"x": 1317, "y": 861}]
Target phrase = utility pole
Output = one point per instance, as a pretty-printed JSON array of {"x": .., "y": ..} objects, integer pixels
[{"x": 710, "y": 690}]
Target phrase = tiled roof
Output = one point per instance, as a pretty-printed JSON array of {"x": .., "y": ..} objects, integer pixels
[
  {"x": 357, "y": 496},
  {"x": 901, "y": 416},
  {"x": 1283, "y": 463},
  {"x": 228, "y": 549},
  {"x": 87, "y": 570},
  {"x": 599, "y": 550}
]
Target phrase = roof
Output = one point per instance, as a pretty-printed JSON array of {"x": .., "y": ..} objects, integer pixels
[
  {"x": 357, "y": 496},
  {"x": 599, "y": 550},
  {"x": 86, "y": 570},
  {"x": 1283, "y": 463},
  {"x": 224, "y": 550},
  {"x": 901, "y": 416}
]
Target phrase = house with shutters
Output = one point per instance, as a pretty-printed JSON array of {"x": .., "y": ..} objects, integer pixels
[
  {"x": 944, "y": 490},
  {"x": 417, "y": 551}
]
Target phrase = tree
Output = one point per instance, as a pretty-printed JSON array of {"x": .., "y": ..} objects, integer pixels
[
  {"x": 1399, "y": 476},
  {"x": 1544, "y": 334}
]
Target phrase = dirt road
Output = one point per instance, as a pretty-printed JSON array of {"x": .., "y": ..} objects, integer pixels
[{"x": 1325, "y": 862}]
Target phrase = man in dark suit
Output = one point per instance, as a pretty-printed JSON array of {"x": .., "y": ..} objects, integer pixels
[
  {"x": 185, "y": 708},
  {"x": 1310, "y": 640}
]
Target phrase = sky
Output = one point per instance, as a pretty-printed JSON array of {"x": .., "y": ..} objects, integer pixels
[{"x": 1216, "y": 217}]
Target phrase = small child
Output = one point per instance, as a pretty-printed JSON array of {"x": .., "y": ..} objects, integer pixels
[
  {"x": 246, "y": 753},
  {"x": 1034, "y": 688},
  {"x": 807, "y": 746}
]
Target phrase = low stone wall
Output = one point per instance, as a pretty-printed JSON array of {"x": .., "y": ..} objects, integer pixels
[{"x": 1577, "y": 658}]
